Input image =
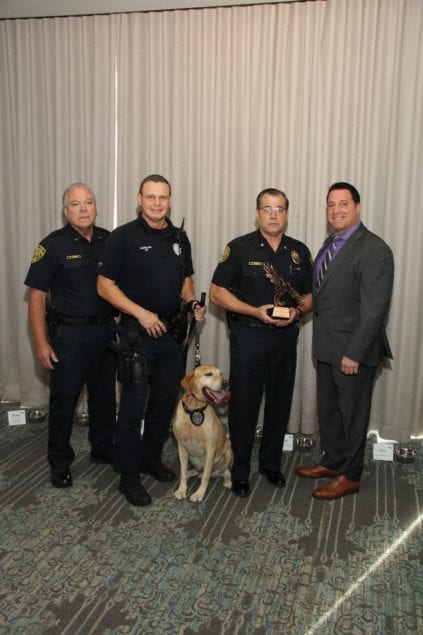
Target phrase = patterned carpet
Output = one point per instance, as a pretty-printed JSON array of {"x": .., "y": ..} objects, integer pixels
[{"x": 82, "y": 561}]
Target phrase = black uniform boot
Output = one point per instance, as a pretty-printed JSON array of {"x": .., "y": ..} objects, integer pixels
[
  {"x": 131, "y": 487},
  {"x": 61, "y": 477}
]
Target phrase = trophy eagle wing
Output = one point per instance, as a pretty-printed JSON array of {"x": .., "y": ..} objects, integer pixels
[{"x": 282, "y": 287}]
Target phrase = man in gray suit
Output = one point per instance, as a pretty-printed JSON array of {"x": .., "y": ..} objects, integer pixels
[{"x": 352, "y": 290}]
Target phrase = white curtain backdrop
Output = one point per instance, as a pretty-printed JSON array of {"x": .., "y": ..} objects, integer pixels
[
  {"x": 223, "y": 102},
  {"x": 57, "y": 126}
]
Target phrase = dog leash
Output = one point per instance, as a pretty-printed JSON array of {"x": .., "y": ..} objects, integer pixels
[
  {"x": 197, "y": 357},
  {"x": 195, "y": 326}
]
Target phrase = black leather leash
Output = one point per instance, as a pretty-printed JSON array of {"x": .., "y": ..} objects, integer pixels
[{"x": 194, "y": 325}]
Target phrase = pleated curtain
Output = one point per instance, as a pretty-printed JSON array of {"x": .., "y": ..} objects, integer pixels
[{"x": 224, "y": 102}]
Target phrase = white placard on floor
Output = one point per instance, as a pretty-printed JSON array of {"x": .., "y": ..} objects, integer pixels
[
  {"x": 288, "y": 443},
  {"x": 383, "y": 451},
  {"x": 16, "y": 417}
]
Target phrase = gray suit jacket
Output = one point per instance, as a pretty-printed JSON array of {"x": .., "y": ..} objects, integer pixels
[{"x": 350, "y": 308}]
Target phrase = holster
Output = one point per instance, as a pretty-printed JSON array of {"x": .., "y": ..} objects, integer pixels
[
  {"x": 52, "y": 318},
  {"x": 177, "y": 325},
  {"x": 133, "y": 366}
]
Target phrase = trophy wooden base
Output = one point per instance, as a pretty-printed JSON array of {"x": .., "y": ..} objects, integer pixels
[{"x": 279, "y": 312}]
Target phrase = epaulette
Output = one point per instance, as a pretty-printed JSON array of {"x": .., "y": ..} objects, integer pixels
[
  {"x": 293, "y": 241},
  {"x": 244, "y": 238},
  {"x": 102, "y": 232},
  {"x": 57, "y": 232}
]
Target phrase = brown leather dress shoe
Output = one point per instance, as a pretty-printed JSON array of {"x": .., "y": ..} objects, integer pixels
[
  {"x": 340, "y": 486},
  {"x": 315, "y": 471}
]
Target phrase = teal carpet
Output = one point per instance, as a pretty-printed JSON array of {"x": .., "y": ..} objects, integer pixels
[{"x": 82, "y": 561}]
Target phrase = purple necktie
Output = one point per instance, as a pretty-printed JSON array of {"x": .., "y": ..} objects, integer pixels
[{"x": 330, "y": 252}]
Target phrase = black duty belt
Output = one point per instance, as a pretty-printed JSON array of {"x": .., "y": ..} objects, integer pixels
[
  {"x": 84, "y": 321},
  {"x": 131, "y": 323},
  {"x": 177, "y": 326},
  {"x": 256, "y": 324},
  {"x": 245, "y": 321},
  {"x": 129, "y": 320}
]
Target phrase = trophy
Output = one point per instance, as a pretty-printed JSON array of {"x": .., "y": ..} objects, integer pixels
[{"x": 282, "y": 289}]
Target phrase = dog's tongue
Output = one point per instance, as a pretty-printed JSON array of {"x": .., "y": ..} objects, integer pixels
[{"x": 217, "y": 396}]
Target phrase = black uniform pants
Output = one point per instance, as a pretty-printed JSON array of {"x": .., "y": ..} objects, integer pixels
[
  {"x": 84, "y": 358},
  {"x": 343, "y": 403},
  {"x": 154, "y": 401},
  {"x": 262, "y": 358}
]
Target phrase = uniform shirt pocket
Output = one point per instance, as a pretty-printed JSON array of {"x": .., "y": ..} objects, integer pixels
[
  {"x": 79, "y": 272},
  {"x": 74, "y": 263}
]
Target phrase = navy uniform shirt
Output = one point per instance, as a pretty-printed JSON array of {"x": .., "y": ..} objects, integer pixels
[
  {"x": 240, "y": 269},
  {"x": 149, "y": 265},
  {"x": 65, "y": 264}
]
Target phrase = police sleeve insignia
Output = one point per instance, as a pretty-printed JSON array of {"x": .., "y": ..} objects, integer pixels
[
  {"x": 226, "y": 254},
  {"x": 39, "y": 252}
]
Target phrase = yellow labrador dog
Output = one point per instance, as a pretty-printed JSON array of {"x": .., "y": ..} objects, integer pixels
[{"x": 199, "y": 432}]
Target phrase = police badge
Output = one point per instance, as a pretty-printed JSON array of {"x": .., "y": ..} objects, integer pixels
[{"x": 295, "y": 257}]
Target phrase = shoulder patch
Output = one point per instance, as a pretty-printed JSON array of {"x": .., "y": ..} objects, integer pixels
[
  {"x": 226, "y": 254},
  {"x": 39, "y": 252}
]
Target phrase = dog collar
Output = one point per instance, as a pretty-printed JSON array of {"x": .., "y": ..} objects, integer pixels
[{"x": 196, "y": 415}]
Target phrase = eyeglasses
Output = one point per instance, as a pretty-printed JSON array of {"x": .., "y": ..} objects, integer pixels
[
  {"x": 269, "y": 210},
  {"x": 87, "y": 203}
]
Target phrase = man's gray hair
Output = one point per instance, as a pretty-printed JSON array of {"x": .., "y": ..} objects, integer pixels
[{"x": 72, "y": 187}]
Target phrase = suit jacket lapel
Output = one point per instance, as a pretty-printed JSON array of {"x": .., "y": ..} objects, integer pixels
[{"x": 343, "y": 255}]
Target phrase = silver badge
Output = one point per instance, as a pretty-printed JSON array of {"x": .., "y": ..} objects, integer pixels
[
  {"x": 295, "y": 257},
  {"x": 197, "y": 417}
]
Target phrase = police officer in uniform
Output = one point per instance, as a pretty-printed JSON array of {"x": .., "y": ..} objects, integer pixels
[
  {"x": 146, "y": 271},
  {"x": 255, "y": 270},
  {"x": 73, "y": 342}
]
